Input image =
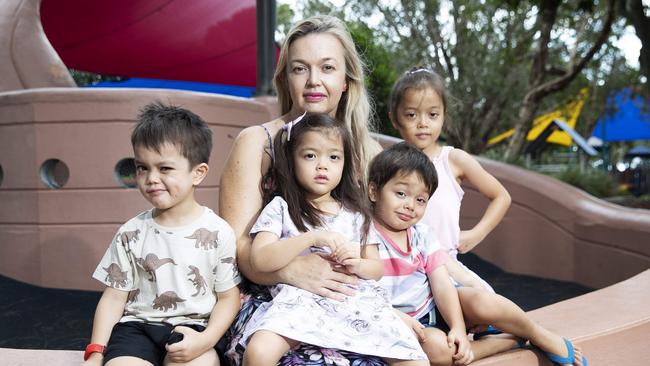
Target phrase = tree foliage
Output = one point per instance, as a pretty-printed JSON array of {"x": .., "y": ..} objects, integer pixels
[
  {"x": 284, "y": 17},
  {"x": 505, "y": 61},
  {"x": 381, "y": 75},
  {"x": 501, "y": 58}
]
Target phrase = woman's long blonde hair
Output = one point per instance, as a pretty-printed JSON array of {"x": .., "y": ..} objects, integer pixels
[{"x": 355, "y": 107}]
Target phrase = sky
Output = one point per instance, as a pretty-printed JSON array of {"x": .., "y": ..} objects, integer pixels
[{"x": 629, "y": 42}]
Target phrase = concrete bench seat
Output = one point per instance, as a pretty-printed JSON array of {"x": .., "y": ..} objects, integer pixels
[
  {"x": 33, "y": 357},
  {"x": 611, "y": 325}
]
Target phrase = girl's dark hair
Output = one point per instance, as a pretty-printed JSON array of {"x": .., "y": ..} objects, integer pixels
[
  {"x": 348, "y": 192},
  {"x": 159, "y": 124},
  {"x": 416, "y": 78},
  {"x": 402, "y": 158}
]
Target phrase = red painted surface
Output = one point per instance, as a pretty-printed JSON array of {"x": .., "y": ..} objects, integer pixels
[{"x": 199, "y": 40}]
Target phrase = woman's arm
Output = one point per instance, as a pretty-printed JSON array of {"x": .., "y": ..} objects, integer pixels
[
  {"x": 240, "y": 201},
  {"x": 109, "y": 311},
  {"x": 270, "y": 253},
  {"x": 240, "y": 196},
  {"x": 465, "y": 166}
]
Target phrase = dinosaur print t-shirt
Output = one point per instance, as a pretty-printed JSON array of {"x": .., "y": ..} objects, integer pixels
[{"x": 171, "y": 273}]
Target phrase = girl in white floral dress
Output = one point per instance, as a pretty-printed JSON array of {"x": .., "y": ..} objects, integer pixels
[{"x": 321, "y": 208}]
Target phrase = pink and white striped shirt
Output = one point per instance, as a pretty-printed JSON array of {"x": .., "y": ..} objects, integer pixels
[{"x": 405, "y": 272}]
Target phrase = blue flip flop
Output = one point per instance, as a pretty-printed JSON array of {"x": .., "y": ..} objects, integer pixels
[
  {"x": 489, "y": 331},
  {"x": 521, "y": 343},
  {"x": 559, "y": 360}
]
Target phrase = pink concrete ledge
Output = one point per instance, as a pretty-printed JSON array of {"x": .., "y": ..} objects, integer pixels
[
  {"x": 611, "y": 325},
  {"x": 32, "y": 357}
]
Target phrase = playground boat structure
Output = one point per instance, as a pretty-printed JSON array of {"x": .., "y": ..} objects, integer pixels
[{"x": 63, "y": 197}]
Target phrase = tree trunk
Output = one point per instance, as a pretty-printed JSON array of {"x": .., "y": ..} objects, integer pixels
[
  {"x": 524, "y": 121},
  {"x": 541, "y": 88}
]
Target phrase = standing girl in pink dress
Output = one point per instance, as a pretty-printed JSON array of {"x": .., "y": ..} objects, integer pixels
[{"x": 417, "y": 111}]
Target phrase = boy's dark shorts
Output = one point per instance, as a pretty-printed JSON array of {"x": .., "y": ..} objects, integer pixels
[{"x": 143, "y": 340}]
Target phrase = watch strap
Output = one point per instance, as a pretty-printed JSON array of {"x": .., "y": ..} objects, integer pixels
[{"x": 93, "y": 348}]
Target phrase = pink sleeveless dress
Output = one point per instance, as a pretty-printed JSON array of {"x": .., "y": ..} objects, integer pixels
[{"x": 443, "y": 210}]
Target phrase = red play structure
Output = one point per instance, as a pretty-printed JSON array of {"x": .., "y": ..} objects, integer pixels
[
  {"x": 199, "y": 40},
  {"x": 53, "y": 235}
]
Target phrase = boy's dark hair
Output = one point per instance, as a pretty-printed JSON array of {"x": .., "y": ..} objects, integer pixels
[
  {"x": 348, "y": 192},
  {"x": 402, "y": 158},
  {"x": 159, "y": 124}
]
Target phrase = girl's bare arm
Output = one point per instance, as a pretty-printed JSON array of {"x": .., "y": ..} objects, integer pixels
[
  {"x": 271, "y": 253},
  {"x": 467, "y": 167},
  {"x": 460, "y": 274},
  {"x": 240, "y": 202},
  {"x": 370, "y": 266}
]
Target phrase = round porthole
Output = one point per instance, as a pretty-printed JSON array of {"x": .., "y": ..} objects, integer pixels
[
  {"x": 54, "y": 173},
  {"x": 125, "y": 172}
]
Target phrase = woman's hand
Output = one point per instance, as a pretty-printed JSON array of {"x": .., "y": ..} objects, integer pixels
[
  {"x": 315, "y": 274},
  {"x": 192, "y": 346}
]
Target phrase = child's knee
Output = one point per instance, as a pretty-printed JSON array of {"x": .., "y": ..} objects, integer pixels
[
  {"x": 255, "y": 352},
  {"x": 436, "y": 348},
  {"x": 265, "y": 348},
  {"x": 479, "y": 303}
]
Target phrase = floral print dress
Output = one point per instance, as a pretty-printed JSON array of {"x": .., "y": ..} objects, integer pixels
[{"x": 330, "y": 330}]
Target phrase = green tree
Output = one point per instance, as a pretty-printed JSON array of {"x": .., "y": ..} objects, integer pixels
[
  {"x": 83, "y": 78},
  {"x": 505, "y": 61},
  {"x": 381, "y": 76},
  {"x": 501, "y": 58},
  {"x": 545, "y": 76},
  {"x": 284, "y": 18}
]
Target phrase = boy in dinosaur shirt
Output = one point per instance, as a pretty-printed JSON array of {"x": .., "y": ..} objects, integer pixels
[{"x": 170, "y": 269}]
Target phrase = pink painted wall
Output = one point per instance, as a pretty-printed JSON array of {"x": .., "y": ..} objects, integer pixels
[
  {"x": 555, "y": 230},
  {"x": 55, "y": 237}
]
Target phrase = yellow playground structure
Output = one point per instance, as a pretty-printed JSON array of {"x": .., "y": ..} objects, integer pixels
[{"x": 568, "y": 113}]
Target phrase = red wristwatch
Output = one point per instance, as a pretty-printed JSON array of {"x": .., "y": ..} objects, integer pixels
[{"x": 92, "y": 348}]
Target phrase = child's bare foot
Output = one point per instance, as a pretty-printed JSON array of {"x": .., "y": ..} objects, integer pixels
[{"x": 577, "y": 356}]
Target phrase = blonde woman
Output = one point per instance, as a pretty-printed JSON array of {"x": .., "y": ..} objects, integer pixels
[{"x": 319, "y": 70}]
